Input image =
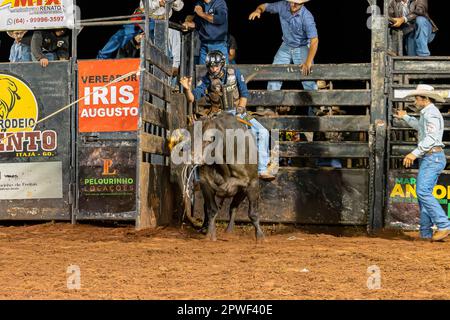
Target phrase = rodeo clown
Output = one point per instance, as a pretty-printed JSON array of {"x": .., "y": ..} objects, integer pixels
[{"x": 226, "y": 89}]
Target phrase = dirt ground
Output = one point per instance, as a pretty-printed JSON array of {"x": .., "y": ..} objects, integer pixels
[{"x": 121, "y": 263}]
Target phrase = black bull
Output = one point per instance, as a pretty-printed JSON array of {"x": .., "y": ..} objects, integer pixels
[{"x": 229, "y": 180}]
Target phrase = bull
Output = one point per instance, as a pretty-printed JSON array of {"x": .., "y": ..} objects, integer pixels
[{"x": 236, "y": 181}]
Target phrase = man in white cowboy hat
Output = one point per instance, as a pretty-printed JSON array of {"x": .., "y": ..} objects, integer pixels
[
  {"x": 300, "y": 37},
  {"x": 432, "y": 160}
]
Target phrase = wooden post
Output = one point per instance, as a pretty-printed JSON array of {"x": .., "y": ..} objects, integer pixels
[{"x": 378, "y": 119}]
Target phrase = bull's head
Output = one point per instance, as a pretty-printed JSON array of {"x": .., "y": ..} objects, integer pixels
[
  {"x": 8, "y": 97},
  {"x": 184, "y": 139}
]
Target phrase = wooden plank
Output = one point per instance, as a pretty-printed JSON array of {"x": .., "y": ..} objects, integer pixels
[
  {"x": 423, "y": 76},
  {"x": 411, "y": 101},
  {"x": 428, "y": 66},
  {"x": 292, "y": 72},
  {"x": 378, "y": 112},
  {"x": 298, "y": 98},
  {"x": 154, "y": 115},
  {"x": 324, "y": 150},
  {"x": 178, "y": 112},
  {"x": 156, "y": 87},
  {"x": 168, "y": 196},
  {"x": 316, "y": 124},
  {"x": 146, "y": 216},
  {"x": 153, "y": 144},
  {"x": 310, "y": 196},
  {"x": 158, "y": 58},
  {"x": 149, "y": 201},
  {"x": 404, "y": 150}
]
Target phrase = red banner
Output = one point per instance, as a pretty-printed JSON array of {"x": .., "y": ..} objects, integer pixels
[{"x": 110, "y": 109}]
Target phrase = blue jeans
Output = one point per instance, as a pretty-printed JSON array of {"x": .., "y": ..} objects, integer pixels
[
  {"x": 117, "y": 41},
  {"x": 334, "y": 163},
  {"x": 417, "y": 41},
  {"x": 20, "y": 53},
  {"x": 431, "y": 212},
  {"x": 262, "y": 141},
  {"x": 205, "y": 48},
  {"x": 288, "y": 55}
]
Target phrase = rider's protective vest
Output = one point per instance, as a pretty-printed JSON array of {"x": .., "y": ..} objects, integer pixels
[{"x": 224, "y": 96}]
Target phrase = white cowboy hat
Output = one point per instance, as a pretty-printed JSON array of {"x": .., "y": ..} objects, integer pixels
[
  {"x": 298, "y": 1},
  {"x": 11, "y": 33},
  {"x": 425, "y": 90}
]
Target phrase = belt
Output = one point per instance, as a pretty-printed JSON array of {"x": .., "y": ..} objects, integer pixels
[
  {"x": 435, "y": 150},
  {"x": 157, "y": 17}
]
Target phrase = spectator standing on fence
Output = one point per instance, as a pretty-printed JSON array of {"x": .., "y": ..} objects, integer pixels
[
  {"x": 300, "y": 38},
  {"x": 432, "y": 160},
  {"x": 132, "y": 49},
  {"x": 126, "y": 34},
  {"x": 219, "y": 81},
  {"x": 50, "y": 46},
  {"x": 211, "y": 22},
  {"x": 21, "y": 48},
  {"x": 413, "y": 19}
]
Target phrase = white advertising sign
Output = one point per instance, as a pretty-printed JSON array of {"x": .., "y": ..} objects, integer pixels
[
  {"x": 24, "y": 181},
  {"x": 36, "y": 14}
]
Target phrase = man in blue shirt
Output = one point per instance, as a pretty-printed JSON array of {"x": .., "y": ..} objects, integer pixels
[
  {"x": 211, "y": 22},
  {"x": 300, "y": 37},
  {"x": 21, "y": 48},
  {"x": 221, "y": 79},
  {"x": 432, "y": 160}
]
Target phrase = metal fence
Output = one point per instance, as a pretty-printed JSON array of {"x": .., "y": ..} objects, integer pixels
[{"x": 404, "y": 75}]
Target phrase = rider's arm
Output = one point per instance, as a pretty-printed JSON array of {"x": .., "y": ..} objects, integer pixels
[
  {"x": 200, "y": 90},
  {"x": 190, "y": 97},
  {"x": 243, "y": 90}
]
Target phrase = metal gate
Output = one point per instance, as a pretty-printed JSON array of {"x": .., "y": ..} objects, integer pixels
[
  {"x": 305, "y": 193},
  {"x": 161, "y": 111},
  {"x": 402, "y": 210}
]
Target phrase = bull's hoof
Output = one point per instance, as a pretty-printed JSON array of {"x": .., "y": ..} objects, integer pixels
[
  {"x": 210, "y": 237},
  {"x": 229, "y": 230},
  {"x": 260, "y": 239}
]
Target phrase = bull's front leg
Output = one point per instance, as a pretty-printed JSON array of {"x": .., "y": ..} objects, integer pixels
[{"x": 204, "y": 228}]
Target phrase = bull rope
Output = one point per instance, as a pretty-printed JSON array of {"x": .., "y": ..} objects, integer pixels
[
  {"x": 137, "y": 72},
  {"x": 187, "y": 181}
]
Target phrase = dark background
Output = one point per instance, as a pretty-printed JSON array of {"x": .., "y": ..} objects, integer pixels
[{"x": 343, "y": 33}]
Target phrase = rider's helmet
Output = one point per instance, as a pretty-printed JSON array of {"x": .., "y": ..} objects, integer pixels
[{"x": 213, "y": 59}]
